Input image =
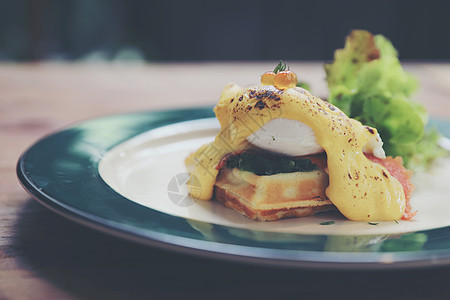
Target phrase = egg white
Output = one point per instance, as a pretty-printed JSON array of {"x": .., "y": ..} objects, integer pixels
[{"x": 292, "y": 137}]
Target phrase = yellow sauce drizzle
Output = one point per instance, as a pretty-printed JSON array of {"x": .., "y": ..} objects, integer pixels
[{"x": 361, "y": 189}]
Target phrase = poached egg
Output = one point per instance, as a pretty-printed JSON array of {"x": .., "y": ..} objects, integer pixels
[{"x": 294, "y": 138}]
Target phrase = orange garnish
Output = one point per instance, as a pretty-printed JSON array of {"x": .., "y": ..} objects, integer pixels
[{"x": 280, "y": 77}]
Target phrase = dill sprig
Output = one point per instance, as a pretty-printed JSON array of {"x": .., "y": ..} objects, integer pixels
[
  {"x": 327, "y": 223},
  {"x": 281, "y": 67}
]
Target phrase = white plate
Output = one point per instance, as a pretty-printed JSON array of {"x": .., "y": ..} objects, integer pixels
[{"x": 139, "y": 196}]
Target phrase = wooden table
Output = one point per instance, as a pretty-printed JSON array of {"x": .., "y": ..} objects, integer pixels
[{"x": 44, "y": 256}]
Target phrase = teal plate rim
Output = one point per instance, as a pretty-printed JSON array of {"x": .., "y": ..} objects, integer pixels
[{"x": 61, "y": 172}]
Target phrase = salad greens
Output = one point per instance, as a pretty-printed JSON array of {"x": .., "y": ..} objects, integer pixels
[{"x": 368, "y": 83}]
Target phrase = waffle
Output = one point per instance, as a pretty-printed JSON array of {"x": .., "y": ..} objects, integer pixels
[{"x": 270, "y": 198}]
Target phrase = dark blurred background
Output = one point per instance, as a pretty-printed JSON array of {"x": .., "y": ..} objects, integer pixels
[{"x": 215, "y": 30}]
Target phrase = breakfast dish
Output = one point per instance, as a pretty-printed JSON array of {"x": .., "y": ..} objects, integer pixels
[
  {"x": 116, "y": 173},
  {"x": 283, "y": 152}
]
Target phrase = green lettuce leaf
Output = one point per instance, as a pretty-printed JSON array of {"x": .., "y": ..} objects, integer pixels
[
  {"x": 367, "y": 81},
  {"x": 418, "y": 154},
  {"x": 393, "y": 118},
  {"x": 359, "y": 49}
]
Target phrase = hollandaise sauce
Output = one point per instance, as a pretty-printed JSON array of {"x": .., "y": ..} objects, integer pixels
[{"x": 362, "y": 190}]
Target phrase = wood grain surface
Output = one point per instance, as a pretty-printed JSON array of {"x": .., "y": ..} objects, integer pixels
[{"x": 44, "y": 256}]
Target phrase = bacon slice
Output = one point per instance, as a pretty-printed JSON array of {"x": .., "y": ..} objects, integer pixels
[{"x": 396, "y": 168}]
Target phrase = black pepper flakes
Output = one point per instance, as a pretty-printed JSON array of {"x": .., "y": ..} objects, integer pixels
[
  {"x": 370, "y": 130},
  {"x": 266, "y": 94},
  {"x": 260, "y": 104}
]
